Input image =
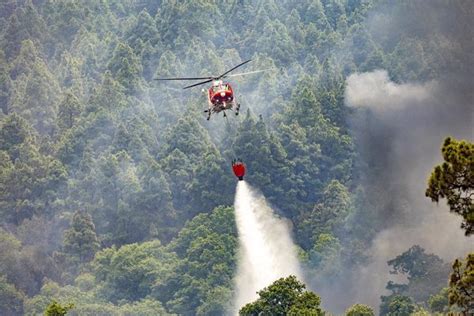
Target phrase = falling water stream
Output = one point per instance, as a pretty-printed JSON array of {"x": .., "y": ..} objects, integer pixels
[{"x": 266, "y": 250}]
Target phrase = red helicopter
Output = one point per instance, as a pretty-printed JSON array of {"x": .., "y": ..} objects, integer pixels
[{"x": 220, "y": 95}]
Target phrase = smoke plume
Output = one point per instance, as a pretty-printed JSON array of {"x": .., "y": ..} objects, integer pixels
[
  {"x": 376, "y": 91},
  {"x": 399, "y": 137},
  {"x": 399, "y": 128}
]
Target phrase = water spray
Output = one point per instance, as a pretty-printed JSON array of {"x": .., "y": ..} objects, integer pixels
[{"x": 266, "y": 250}]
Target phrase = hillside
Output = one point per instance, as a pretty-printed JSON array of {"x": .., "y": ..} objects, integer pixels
[{"x": 116, "y": 193}]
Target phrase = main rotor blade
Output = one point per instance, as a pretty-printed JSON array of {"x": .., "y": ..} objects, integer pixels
[
  {"x": 245, "y": 73},
  {"x": 187, "y": 78},
  {"x": 225, "y": 73},
  {"x": 198, "y": 84}
]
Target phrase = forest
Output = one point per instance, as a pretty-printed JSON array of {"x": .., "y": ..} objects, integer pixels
[{"x": 116, "y": 193}]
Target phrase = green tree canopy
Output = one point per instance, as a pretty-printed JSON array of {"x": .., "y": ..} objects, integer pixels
[
  {"x": 360, "y": 310},
  {"x": 426, "y": 274},
  {"x": 80, "y": 240},
  {"x": 285, "y": 296},
  {"x": 129, "y": 272},
  {"x": 461, "y": 284},
  {"x": 56, "y": 309},
  {"x": 454, "y": 180},
  {"x": 199, "y": 283},
  {"x": 397, "y": 305},
  {"x": 438, "y": 302},
  {"x": 11, "y": 300}
]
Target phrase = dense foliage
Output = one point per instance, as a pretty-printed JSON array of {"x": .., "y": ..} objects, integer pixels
[
  {"x": 115, "y": 190},
  {"x": 285, "y": 296},
  {"x": 461, "y": 284},
  {"x": 426, "y": 276},
  {"x": 360, "y": 310},
  {"x": 56, "y": 309},
  {"x": 454, "y": 180}
]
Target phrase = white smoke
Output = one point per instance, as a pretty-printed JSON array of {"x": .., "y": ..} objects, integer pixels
[
  {"x": 402, "y": 139},
  {"x": 438, "y": 234},
  {"x": 266, "y": 250},
  {"x": 375, "y": 90}
]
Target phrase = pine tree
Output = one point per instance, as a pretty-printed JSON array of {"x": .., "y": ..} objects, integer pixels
[
  {"x": 35, "y": 90},
  {"x": 25, "y": 23},
  {"x": 80, "y": 240},
  {"x": 454, "y": 180},
  {"x": 126, "y": 68},
  {"x": 11, "y": 300},
  {"x": 461, "y": 284},
  {"x": 14, "y": 131},
  {"x": 69, "y": 110},
  {"x": 5, "y": 84},
  {"x": 30, "y": 181}
]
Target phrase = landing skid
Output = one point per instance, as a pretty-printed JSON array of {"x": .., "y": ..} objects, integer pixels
[
  {"x": 208, "y": 114},
  {"x": 211, "y": 110}
]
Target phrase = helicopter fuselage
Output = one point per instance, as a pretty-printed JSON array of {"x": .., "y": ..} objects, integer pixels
[{"x": 221, "y": 97}]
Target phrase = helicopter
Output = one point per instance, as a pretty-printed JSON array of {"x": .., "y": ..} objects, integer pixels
[{"x": 220, "y": 95}]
